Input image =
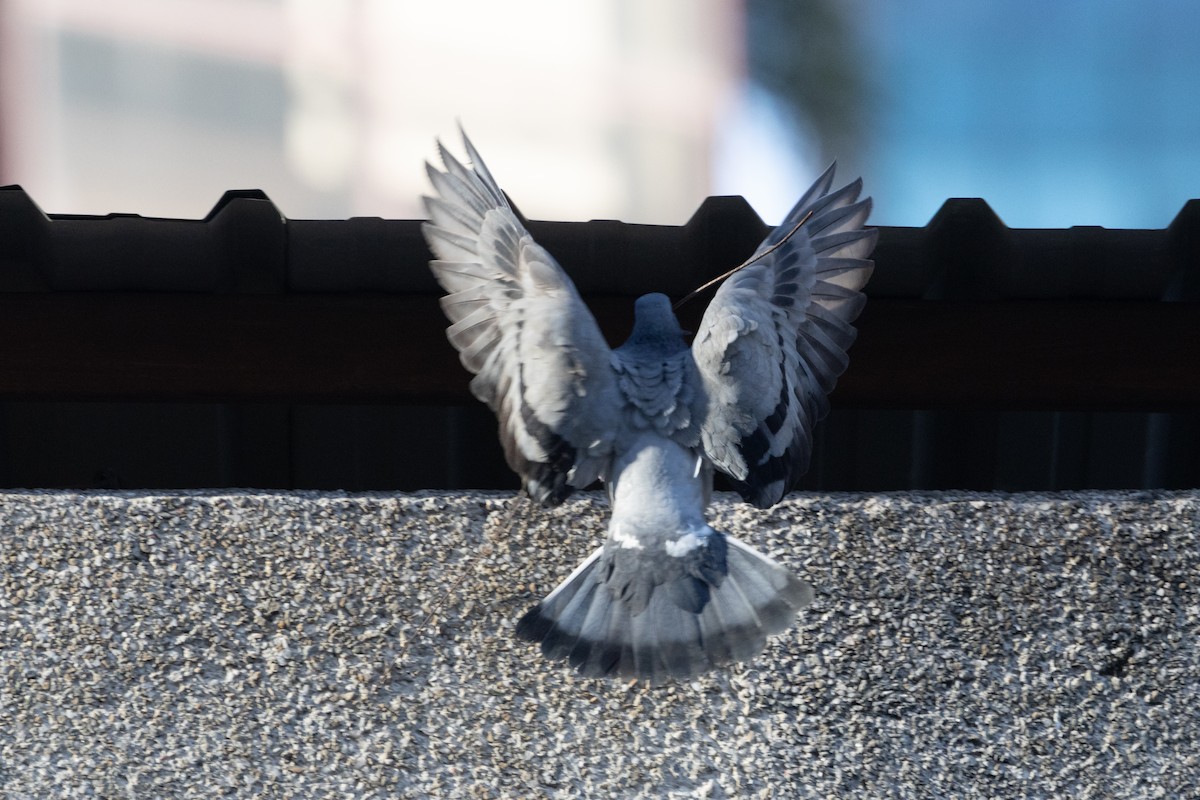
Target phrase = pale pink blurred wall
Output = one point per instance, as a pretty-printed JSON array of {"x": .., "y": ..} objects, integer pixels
[{"x": 594, "y": 108}]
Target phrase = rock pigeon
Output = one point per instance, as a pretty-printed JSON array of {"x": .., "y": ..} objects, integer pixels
[{"x": 667, "y": 596}]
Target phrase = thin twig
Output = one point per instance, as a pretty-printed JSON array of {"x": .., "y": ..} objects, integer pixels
[{"x": 747, "y": 262}]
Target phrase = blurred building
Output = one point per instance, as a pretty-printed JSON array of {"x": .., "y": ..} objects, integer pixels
[
  {"x": 596, "y": 108},
  {"x": 605, "y": 108}
]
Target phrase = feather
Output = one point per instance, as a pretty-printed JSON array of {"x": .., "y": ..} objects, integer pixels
[
  {"x": 792, "y": 307},
  {"x": 666, "y": 596},
  {"x": 599, "y": 635},
  {"x": 538, "y": 358}
]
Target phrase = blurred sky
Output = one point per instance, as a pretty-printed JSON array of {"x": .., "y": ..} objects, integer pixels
[{"x": 1057, "y": 113}]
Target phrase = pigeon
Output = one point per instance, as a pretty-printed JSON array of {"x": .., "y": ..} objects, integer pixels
[{"x": 667, "y": 596}]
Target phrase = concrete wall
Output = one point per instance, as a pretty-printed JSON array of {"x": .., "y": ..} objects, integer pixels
[{"x": 326, "y": 645}]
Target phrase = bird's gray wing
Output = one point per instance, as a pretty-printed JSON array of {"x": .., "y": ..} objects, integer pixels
[
  {"x": 774, "y": 339},
  {"x": 539, "y": 359}
]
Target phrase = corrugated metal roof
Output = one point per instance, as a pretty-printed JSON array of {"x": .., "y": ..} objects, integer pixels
[{"x": 246, "y": 245}]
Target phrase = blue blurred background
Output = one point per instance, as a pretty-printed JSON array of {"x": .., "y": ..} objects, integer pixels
[
  {"x": 1058, "y": 114},
  {"x": 1061, "y": 113}
]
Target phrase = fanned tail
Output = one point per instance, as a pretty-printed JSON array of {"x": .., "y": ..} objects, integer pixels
[{"x": 675, "y": 635}]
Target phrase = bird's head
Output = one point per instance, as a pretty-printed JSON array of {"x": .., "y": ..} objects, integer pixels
[{"x": 655, "y": 325}]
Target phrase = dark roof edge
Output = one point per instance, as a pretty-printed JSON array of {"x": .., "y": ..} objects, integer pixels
[{"x": 245, "y": 245}]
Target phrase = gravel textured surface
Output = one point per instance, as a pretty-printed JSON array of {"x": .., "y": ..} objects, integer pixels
[{"x": 326, "y": 645}]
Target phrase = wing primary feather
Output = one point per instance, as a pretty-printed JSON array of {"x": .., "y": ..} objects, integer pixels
[
  {"x": 820, "y": 187},
  {"x": 836, "y": 220},
  {"x": 458, "y": 305},
  {"x": 849, "y": 273},
  {"x": 451, "y": 187},
  {"x": 459, "y": 276},
  {"x": 791, "y": 306},
  {"x": 831, "y": 203},
  {"x": 450, "y": 216},
  {"x": 850, "y": 244},
  {"x": 449, "y": 246},
  {"x": 540, "y": 361},
  {"x": 484, "y": 174}
]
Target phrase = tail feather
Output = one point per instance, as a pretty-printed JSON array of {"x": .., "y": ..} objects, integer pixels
[
  {"x": 736, "y": 634},
  {"x": 689, "y": 649},
  {"x": 585, "y": 622},
  {"x": 586, "y": 656},
  {"x": 573, "y": 599},
  {"x": 715, "y": 636},
  {"x": 644, "y": 641},
  {"x": 580, "y": 603},
  {"x": 556, "y": 605}
]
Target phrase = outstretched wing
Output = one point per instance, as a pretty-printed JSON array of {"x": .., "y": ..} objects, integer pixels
[
  {"x": 774, "y": 338},
  {"x": 540, "y": 362}
]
